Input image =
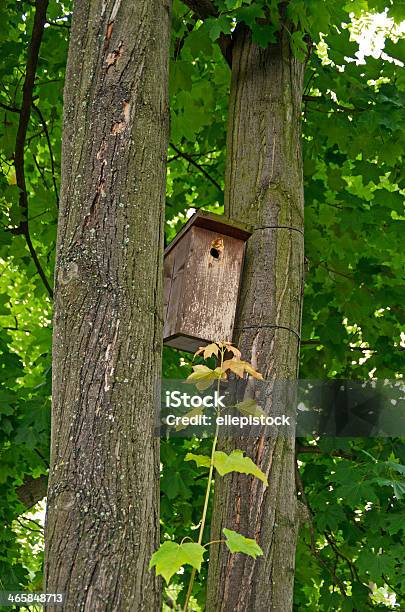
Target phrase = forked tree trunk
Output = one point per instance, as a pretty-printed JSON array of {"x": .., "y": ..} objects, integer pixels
[
  {"x": 103, "y": 510},
  {"x": 264, "y": 188}
]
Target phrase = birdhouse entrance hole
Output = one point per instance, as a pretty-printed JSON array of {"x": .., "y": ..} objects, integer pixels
[
  {"x": 217, "y": 246},
  {"x": 200, "y": 296}
]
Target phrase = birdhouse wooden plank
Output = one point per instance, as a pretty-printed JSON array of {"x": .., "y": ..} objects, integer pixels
[{"x": 202, "y": 270}]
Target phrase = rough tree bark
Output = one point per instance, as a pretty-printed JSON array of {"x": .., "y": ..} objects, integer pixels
[
  {"x": 103, "y": 511},
  {"x": 264, "y": 188}
]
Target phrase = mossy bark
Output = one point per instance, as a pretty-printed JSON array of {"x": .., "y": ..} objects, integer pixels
[
  {"x": 264, "y": 188},
  {"x": 103, "y": 510}
]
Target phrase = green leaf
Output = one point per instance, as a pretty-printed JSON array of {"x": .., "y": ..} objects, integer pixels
[
  {"x": 399, "y": 488},
  {"x": 201, "y": 460},
  {"x": 396, "y": 50},
  {"x": 194, "y": 412},
  {"x": 394, "y": 523},
  {"x": 249, "y": 14},
  {"x": 397, "y": 485},
  {"x": 335, "y": 180},
  {"x": 237, "y": 543},
  {"x": 396, "y": 466},
  {"x": 203, "y": 376},
  {"x": 4, "y": 299},
  {"x": 263, "y": 35},
  {"x": 198, "y": 43},
  {"x": 331, "y": 516},
  {"x": 216, "y": 25},
  {"x": 250, "y": 407},
  {"x": 298, "y": 45},
  {"x": 170, "y": 557},
  {"x": 356, "y": 492},
  {"x": 180, "y": 76},
  {"x": 375, "y": 564},
  {"x": 360, "y": 596},
  {"x": 236, "y": 462}
]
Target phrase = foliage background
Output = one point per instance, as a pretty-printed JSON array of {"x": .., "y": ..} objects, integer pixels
[{"x": 351, "y": 556}]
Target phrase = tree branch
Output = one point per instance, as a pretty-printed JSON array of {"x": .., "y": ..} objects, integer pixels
[
  {"x": 40, "y": 171},
  {"x": 322, "y": 100},
  {"x": 196, "y": 165},
  {"x": 7, "y": 107},
  {"x": 204, "y": 9},
  {"x": 40, "y": 530},
  {"x": 25, "y": 113},
  {"x": 360, "y": 349},
  {"x": 54, "y": 24},
  {"x": 22, "y": 329},
  {"x": 25, "y": 518},
  {"x": 339, "y": 554},
  {"x": 48, "y": 140},
  {"x": 313, "y": 548},
  {"x": 399, "y": 595},
  {"x": 194, "y": 155},
  {"x": 319, "y": 451},
  {"x": 32, "y": 491}
]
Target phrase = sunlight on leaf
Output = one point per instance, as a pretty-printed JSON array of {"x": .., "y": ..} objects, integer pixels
[
  {"x": 194, "y": 412},
  {"x": 201, "y": 460},
  {"x": 238, "y": 543},
  {"x": 236, "y": 462},
  {"x": 232, "y": 349},
  {"x": 203, "y": 376},
  {"x": 239, "y": 367},
  {"x": 208, "y": 351},
  {"x": 170, "y": 557},
  {"x": 250, "y": 407}
]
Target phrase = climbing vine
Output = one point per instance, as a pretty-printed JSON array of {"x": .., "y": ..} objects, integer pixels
[{"x": 172, "y": 556}]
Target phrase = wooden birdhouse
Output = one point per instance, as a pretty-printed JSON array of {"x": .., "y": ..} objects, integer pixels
[{"x": 202, "y": 271}]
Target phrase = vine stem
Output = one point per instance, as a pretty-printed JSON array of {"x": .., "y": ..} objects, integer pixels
[
  {"x": 215, "y": 542},
  {"x": 204, "y": 515},
  {"x": 207, "y": 497}
]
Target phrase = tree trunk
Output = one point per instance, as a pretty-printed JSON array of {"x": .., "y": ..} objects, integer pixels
[
  {"x": 103, "y": 510},
  {"x": 264, "y": 188}
]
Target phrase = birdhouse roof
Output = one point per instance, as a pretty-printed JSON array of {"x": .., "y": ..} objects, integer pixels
[{"x": 215, "y": 223}]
